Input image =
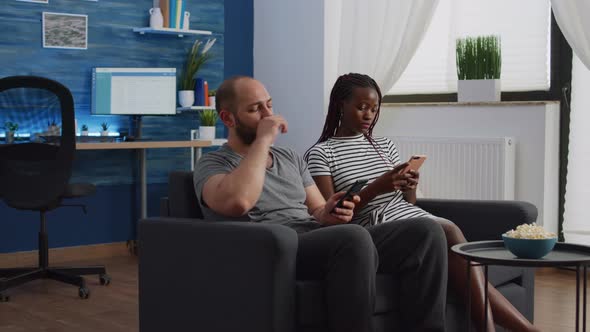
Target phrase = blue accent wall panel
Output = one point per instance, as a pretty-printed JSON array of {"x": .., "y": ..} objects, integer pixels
[
  {"x": 113, "y": 210},
  {"x": 111, "y": 43}
]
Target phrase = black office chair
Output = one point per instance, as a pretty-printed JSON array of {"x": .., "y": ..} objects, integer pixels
[{"x": 34, "y": 174}]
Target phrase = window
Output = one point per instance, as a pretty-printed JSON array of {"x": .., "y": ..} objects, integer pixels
[{"x": 524, "y": 28}]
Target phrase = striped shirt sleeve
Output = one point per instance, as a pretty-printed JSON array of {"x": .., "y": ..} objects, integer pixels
[
  {"x": 392, "y": 153},
  {"x": 317, "y": 161}
]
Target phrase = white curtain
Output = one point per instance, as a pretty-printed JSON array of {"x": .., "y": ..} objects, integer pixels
[
  {"x": 376, "y": 37},
  {"x": 571, "y": 15}
]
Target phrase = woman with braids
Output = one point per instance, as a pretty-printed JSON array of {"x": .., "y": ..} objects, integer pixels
[{"x": 346, "y": 151}]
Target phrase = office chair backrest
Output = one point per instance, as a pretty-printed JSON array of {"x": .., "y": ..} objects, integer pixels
[{"x": 35, "y": 173}]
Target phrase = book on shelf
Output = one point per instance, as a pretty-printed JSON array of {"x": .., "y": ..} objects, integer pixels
[{"x": 165, "y": 8}]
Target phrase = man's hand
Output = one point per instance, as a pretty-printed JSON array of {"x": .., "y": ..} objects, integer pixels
[
  {"x": 332, "y": 215},
  {"x": 270, "y": 126}
]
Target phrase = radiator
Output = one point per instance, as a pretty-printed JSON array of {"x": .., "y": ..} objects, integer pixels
[{"x": 463, "y": 168}]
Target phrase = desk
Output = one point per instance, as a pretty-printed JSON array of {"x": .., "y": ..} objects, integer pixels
[{"x": 141, "y": 146}]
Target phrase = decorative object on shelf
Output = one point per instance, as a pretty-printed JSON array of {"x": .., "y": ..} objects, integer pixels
[
  {"x": 68, "y": 31},
  {"x": 479, "y": 65},
  {"x": 211, "y": 99},
  {"x": 105, "y": 129},
  {"x": 186, "y": 98},
  {"x": 196, "y": 57},
  {"x": 84, "y": 131},
  {"x": 187, "y": 22},
  {"x": 10, "y": 128},
  {"x": 52, "y": 128},
  {"x": 156, "y": 18},
  {"x": 207, "y": 127}
]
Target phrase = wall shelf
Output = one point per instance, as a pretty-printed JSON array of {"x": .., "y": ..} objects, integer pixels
[
  {"x": 194, "y": 108},
  {"x": 169, "y": 31}
]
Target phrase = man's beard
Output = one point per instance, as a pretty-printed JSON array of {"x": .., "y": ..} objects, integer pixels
[{"x": 246, "y": 134}]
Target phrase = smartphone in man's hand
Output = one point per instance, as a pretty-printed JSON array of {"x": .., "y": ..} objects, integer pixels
[{"x": 353, "y": 190}]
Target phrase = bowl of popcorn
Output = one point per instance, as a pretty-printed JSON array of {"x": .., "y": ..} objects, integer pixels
[{"x": 529, "y": 241}]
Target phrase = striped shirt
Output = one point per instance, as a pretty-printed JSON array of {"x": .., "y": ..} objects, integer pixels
[{"x": 348, "y": 159}]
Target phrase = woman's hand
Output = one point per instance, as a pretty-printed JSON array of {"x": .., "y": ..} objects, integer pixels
[
  {"x": 332, "y": 215},
  {"x": 412, "y": 180},
  {"x": 392, "y": 180}
]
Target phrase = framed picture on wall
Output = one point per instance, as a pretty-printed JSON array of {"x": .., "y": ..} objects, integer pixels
[
  {"x": 65, "y": 31},
  {"x": 34, "y": 1}
]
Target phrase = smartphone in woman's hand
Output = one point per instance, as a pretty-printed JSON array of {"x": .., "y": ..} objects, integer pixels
[{"x": 414, "y": 163}]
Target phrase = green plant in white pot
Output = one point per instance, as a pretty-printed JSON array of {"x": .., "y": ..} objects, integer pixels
[
  {"x": 84, "y": 131},
  {"x": 104, "y": 129},
  {"x": 52, "y": 128},
  {"x": 479, "y": 65},
  {"x": 207, "y": 127},
  {"x": 195, "y": 58},
  {"x": 212, "y": 98},
  {"x": 10, "y": 131}
]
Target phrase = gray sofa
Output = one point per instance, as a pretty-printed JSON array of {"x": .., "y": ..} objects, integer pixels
[{"x": 240, "y": 276}]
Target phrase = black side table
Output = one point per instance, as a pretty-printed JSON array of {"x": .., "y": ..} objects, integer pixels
[{"x": 486, "y": 253}]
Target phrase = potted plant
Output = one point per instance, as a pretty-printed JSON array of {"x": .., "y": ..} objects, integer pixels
[
  {"x": 212, "y": 98},
  {"x": 84, "y": 131},
  {"x": 10, "y": 128},
  {"x": 52, "y": 128},
  {"x": 207, "y": 127},
  {"x": 105, "y": 129},
  {"x": 196, "y": 57},
  {"x": 479, "y": 65}
]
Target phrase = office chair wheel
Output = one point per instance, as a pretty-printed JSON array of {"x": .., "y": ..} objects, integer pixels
[
  {"x": 83, "y": 292},
  {"x": 4, "y": 298},
  {"x": 105, "y": 279}
]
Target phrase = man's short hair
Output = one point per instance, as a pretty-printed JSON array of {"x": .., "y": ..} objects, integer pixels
[{"x": 226, "y": 94}]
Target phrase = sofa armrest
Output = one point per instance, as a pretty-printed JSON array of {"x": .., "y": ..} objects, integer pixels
[
  {"x": 482, "y": 220},
  {"x": 215, "y": 276}
]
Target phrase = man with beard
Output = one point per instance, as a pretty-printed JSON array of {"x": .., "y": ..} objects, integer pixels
[{"x": 249, "y": 179}]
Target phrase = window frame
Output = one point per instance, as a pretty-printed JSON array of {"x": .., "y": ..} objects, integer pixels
[{"x": 560, "y": 65}]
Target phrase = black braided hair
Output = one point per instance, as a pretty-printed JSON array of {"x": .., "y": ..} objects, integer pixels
[{"x": 342, "y": 91}]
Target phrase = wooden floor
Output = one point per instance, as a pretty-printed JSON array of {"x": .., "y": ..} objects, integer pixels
[{"x": 51, "y": 306}]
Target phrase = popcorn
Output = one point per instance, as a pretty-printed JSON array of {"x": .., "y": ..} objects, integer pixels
[{"x": 530, "y": 231}]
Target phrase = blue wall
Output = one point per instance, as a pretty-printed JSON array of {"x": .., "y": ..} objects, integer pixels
[{"x": 111, "y": 42}]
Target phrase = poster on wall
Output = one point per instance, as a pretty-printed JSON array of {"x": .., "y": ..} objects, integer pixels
[
  {"x": 65, "y": 31},
  {"x": 34, "y": 1}
]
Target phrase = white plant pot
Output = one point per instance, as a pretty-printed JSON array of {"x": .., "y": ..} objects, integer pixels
[
  {"x": 104, "y": 133},
  {"x": 212, "y": 101},
  {"x": 84, "y": 133},
  {"x": 470, "y": 91},
  {"x": 186, "y": 98},
  {"x": 207, "y": 132},
  {"x": 53, "y": 131}
]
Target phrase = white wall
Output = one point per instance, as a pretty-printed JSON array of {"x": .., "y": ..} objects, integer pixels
[
  {"x": 289, "y": 60},
  {"x": 535, "y": 127}
]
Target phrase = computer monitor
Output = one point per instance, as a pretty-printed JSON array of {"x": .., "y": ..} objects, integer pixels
[{"x": 133, "y": 91}]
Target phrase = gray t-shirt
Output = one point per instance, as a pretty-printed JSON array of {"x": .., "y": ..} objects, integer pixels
[{"x": 282, "y": 200}]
